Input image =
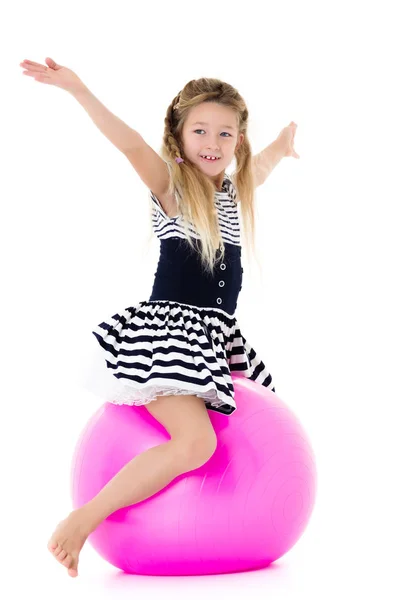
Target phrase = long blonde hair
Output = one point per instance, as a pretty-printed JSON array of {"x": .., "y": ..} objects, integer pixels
[{"x": 196, "y": 191}]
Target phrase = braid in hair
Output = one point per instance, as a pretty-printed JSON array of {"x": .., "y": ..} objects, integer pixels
[{"x": 170, "y": 141}]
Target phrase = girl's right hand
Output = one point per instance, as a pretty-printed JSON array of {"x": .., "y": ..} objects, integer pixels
[{"x": 53, "y": 74}]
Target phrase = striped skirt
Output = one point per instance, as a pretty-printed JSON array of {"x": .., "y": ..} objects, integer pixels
[{"x": 162, "y": 347}]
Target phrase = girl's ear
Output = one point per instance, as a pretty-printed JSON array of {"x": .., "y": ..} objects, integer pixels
[{"x": 240, "y": 140}]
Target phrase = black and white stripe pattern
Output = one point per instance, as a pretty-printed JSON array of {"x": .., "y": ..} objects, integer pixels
[
  {"x": 159, "y": 348},
  {"x": 228, "y": 217}
]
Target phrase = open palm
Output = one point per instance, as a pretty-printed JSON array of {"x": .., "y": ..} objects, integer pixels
[{"x": 52, "y": 74}]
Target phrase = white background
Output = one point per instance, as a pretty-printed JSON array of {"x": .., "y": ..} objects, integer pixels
[{"x": 324, "y": 315}]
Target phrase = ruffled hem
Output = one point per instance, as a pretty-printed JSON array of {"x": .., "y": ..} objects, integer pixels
[
  {"x": 98, "y": 380},
  {"x": 124, "y": 395}
]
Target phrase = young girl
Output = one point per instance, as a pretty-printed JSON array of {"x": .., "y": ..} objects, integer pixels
[{"x": 175, "y": 351}]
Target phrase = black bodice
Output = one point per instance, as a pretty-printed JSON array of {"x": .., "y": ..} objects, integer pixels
[{"x": 180, "y": 276}]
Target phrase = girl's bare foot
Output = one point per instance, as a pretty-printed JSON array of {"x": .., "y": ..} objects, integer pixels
[{"x": 68, "y": 538}]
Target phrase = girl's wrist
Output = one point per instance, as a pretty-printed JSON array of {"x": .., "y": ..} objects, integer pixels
[{"x": 80, "y": 90}]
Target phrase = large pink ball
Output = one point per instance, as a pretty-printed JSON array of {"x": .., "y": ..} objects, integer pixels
[{"x": 246, "y": 507}]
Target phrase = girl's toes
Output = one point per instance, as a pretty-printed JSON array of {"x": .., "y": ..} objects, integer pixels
[
  {"x": 68, "y": 561},
  {"x": 58, "y": 551},
  {"x": 73, "y": 569},
  {"x": 63, "y": 554}
]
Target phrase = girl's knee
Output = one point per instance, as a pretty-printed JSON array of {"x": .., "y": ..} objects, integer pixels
[
  {"x": 187, "y": 421},
  {"x": 198, "y": 449}
]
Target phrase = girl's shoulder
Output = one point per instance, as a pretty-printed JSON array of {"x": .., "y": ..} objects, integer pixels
[{"x": 168, "y": 203}]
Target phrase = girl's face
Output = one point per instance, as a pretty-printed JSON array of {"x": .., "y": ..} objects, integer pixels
[{"x": 211, "y": 129}]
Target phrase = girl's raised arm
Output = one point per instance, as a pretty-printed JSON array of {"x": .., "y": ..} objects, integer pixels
[{"x": 150, "y": 167}]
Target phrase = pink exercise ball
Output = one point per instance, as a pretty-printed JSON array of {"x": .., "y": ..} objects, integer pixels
[{"x": 243, "y": 509}]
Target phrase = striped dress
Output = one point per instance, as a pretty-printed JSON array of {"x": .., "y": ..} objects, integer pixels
[{"x": 185, "y": 338}]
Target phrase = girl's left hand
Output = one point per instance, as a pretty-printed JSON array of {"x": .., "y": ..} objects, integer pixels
[{"x": 286, "y": 138}]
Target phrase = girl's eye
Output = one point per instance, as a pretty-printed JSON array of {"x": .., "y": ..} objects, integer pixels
[{"x": 203, "y": 130}]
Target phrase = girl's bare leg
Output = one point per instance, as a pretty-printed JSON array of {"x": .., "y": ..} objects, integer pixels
[{"x": 143, "y": 476}]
